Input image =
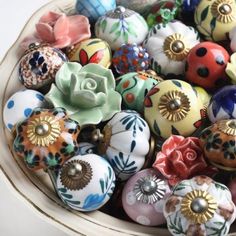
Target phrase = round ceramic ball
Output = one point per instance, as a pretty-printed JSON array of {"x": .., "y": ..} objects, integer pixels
[
  {"x": 223, "y": 104},
  {"x": 91, "y": 51},
  {"x": 232, "y": 189},
  {"x": 133, "y": 88},
  {"x": 143, "y": 197},
  {"x": 130, "y": 58},
  {"x": 20, "y": 106},
  {"x": 39, "y": 65},
  {"x": 173, "y": 107},
  {"x": 205, "y": 65},
  {"x": 85, "y": 183}
]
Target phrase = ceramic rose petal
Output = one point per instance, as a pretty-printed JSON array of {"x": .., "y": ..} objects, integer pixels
[
  {"x": 50, "y": 17},
  {"x": 45, "y": 32},
  {"x": 61, "y": 27}
]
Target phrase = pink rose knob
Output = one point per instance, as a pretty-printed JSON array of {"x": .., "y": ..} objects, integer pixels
[{"x": 143, "y": 197}]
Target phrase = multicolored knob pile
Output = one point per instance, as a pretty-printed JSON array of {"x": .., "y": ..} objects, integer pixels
[{"x": 134, "y": 105}]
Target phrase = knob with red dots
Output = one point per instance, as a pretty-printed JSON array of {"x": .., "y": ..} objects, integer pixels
[
  {"x": 130, "y": 58},
  {"x": 205, "y": 65}
]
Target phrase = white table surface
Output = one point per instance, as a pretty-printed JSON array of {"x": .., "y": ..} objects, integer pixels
[{"x": 16, "y": 218}]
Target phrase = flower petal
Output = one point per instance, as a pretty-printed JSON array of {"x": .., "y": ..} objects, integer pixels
[
  {"x": 112, "y": 106},
  {"x": 58, "y": 99},
  {"x": 61, "y": 28},
  {"x": 50, "y": 17},
  {"x": 171, "y": 143},
  {"x": 45, "y": 32},
  {"x": 87, "y": 116},
  {"x": 62, "y": 43},
  {"x": 63, "y": 76}
]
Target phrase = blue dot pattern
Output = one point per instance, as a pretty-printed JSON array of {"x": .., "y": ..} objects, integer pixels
[
  {"x": 39, "y": 96},
  {"x": 27, "y": 112},
  {"x": 93, "y": 9},
  {"x": 10, "y": 126},
  {"x": 10, "y": 104}
]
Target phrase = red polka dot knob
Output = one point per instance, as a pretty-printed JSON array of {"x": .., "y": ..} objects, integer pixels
[{"x": 205, "y": 65}]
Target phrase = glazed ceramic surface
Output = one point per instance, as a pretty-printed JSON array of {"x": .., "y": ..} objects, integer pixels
[
  {"x": 173, "y": 107},
  {"x": 200, "y": 206},
  {"x": 222, "y": 104},
  {"x": 46, "y": 139},
  {"x": 168, "y": 46},
  {"x": 93, "y": 9},
  {"x": 143, "y": 197},
  {"x": 215, "y": 19},
  {"x": 91, "y": 187},
  {"x": 91, "y": 51},
  {"x": 85, "y": 148},
  {"x": 121, "y": 26},
  {"x": 218, "y": 143},
  {"x": 126, "y": 143},
  {"x": 75, "y": 84},
  {"x": 205, "y": 65},
  {"x": 141, "y": 6},
  {"x": 133, "y": 88},
  {"x": 20, "y": 106},
  {"x": 34, "y": 189},
  {"x": 39, "y": 65},
  {"x": 231, "y": 68},
  {"x": 130, "y": 58}
]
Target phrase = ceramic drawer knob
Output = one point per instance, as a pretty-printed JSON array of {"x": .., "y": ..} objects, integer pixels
[
  {"x": 222, "y": 104},
  {"x": 133, "y": 88},
  {"x": 46, "y": 139},
  {"x": 20, "y": 106},
  {"x": 93, "y": 9},
  {"x": 73, "y": 86},
  {"x": 121, "y": 26},
  {"x": 163, "y": 12},
  {"x": 204, "y": 95},
  {"x": 181, "y": 158},
  {"x": 232, "y": 189},
  {"x": 173, "y": 107},
  {"x": 205, "y": 65},
  {"x": 130, "y": 58},
  {"x": 168, "y": 46},
  {"x": 143, "y": 197},
  {"x": 85, "y": 183},
  {"x": 141, "y": 6},
  {"x": 218, "y": 142},
  {"x": 215, "y": 19},
  {"x": 91, "y": 51},
  {"x": 200, "y": 206},
  {"x": 125, "y": 143},
  {"x": 39, "y": 65},
  {"x": 232, "y": 37}
]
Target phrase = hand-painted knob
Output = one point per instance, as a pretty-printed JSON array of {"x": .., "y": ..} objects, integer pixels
[
  {"x": 168, "y": 46},
  {"x": 125, "y": 143},
  {"x": 204, "y": 95},
  {"x": 130, "y": 58},
  {"x": 218, "y": 143},
  {"x": 91, "y": 51},
  {"x": 232, "y": 189},
  {"x": 215, "y": 19},
  {"x": 20, "y": 106},
  {"x": 121, "y": 26},
  {"x": 141, "y": 6},
  {"x": 222, "y": 104},
  {"x": 133, "y": 88},
  {"x": 85, "y": 183},
  {"x": 39, "y": 65},
  {"x": 85, "y": 148},
  {"x": 46, "y": 139},
  {"x": 205, "y": 65},
  {"x": 143, "y": 197},
  {"x": 163, "y": 12},
  {"x": 173, "y": 107},
  {"x": 93, "y": 9},
  {"x": 231, "y": 68},
  {"x": 199, "y": 206}
]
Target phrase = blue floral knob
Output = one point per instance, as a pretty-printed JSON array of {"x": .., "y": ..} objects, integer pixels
[{"x": 85, "y": 183}]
